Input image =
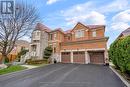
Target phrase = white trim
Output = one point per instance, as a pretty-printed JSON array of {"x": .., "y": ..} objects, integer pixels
[
  {"x": 71, "y": 56},
  {"x": 87, "y": 58},
  {"x": 96, "y": 49}
]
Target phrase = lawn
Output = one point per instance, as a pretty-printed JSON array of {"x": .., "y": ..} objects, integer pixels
[{"x": 12, "y": 68}]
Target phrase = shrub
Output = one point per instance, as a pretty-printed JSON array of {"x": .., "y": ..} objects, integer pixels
[
  {"x": 30, "y": 61},
  {"x": 47, "y": 52},
  {"x": 128, "y": 68},
  {"x": 119, "y": 53}
]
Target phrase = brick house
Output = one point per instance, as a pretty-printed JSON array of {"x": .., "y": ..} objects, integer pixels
[{"x": 83, "y": 44}]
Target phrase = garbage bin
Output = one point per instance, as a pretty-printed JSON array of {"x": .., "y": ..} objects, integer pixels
[{"x": 55, "y": 61}]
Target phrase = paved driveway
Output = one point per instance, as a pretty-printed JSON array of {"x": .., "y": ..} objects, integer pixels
[{"x": 63, "y": 75}]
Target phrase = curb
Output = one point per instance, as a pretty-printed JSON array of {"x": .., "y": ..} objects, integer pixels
[{"x": 122, "y": 79}]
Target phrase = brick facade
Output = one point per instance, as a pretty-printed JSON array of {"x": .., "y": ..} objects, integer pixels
[{"x": 83, "y": 38}]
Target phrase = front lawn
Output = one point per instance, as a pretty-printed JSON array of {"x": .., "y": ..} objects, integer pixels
[{"x": 12, "y": 68}]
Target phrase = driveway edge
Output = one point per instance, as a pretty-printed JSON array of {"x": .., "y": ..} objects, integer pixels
[{"x": 122, "y": 79}]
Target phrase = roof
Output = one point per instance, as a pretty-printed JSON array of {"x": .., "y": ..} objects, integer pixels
[
  {"x": 68, "y": 31},
  {"x": 57, "y": 29},
  {"x": 41, "y": 27},
  {"x": 95, "y": 26},
  {"x": 126, "y": 32}
]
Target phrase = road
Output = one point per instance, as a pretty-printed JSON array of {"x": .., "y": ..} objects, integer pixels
[{"x": 63, "y": 75}]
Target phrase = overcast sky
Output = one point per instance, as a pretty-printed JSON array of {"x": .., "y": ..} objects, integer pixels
[{"x": 115, "y": 14}]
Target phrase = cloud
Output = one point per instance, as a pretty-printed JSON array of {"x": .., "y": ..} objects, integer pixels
[
  {"x": 92, "y": 17},
  {"x": 119, "y": 26},
  {"x": 121, "y": 20},
  {"x": 116, "y": 5},
  {"x": 90, "y": 14},
  {"x": 49, "y": 2},
  {"x": 122, "y": 16}
]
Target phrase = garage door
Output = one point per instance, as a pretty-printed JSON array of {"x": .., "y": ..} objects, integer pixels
[
  {"x": 79, "y": 57},
  {"x": 65, "y": 57},
  {"x": 97, "y": 57}
]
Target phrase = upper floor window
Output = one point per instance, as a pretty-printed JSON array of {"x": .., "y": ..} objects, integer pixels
[
  {"x": 54, "y": 36},
  {"x": 79, "y": 33},
  {"x": 51, "y": 36},
  {"x": 94, "y": 34}
]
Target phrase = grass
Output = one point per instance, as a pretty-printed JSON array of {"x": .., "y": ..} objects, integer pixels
[{"x": 12, "y": 68}]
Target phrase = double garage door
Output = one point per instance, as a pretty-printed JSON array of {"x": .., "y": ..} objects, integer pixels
[{"x": 79, "y": 57}]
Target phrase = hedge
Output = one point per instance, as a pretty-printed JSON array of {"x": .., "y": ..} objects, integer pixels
[
  {"x": 43, "y": 61},
  {"x": 119, "y": 53}
]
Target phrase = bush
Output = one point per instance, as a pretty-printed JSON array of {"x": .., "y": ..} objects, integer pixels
[
  {"x": 30, "y": 61},
  {"x": 47, "y": 52},
  {"x": 119, "y": 53},
  {"x": 128, "y": 68}
]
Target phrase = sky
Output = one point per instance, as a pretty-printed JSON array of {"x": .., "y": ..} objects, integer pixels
[{"x": 115, "y": 14}]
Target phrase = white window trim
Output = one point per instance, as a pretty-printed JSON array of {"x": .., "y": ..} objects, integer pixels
[
  {"x": 94, "y": 34},
  {"x": 79, "y": 33}
]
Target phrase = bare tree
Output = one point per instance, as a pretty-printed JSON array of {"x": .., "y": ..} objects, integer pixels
[{"x": 15, "y": 26}]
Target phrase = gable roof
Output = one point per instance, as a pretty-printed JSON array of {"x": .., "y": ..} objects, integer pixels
[
  {"x": 89, "y": 26},
  {"x": 42, "y": 27},
  {"x": 58, "y": 29},
  {"x": 125, "y": 32}
]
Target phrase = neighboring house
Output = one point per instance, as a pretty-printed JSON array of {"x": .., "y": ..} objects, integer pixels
[
  {"x": 19, "y": 45},
  {"x": 39, "y": 41},
  {"x": 17, "y": 48},
  {"x": 82, "y": 44},
  {"x": 125, "y": 33}
]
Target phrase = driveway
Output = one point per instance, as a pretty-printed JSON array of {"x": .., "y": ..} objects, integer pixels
[{"x": 63, "y": 75}]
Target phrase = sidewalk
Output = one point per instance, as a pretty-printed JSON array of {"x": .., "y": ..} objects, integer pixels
[{"x": 30, "y": 66}]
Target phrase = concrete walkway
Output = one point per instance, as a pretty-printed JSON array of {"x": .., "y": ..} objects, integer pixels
[{"x": 30, "y": 66}]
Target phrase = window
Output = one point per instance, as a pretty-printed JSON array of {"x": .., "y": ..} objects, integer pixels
[
  {"x": 79, "y": 33},
  {"x": 94, "y": 34},
  {"x": 54, "y": 49},
  {"x": 38, "y": 33},
  {"x": 51, "y": 36},
  {"x": 54, "y": 36},
  {"x": 69, "y": 38}
]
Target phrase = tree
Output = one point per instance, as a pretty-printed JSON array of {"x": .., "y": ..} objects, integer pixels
[
  {"x": 21, "y": 53},
  {"x": 15, "y": 26},
  {"x": 119, "y": 53},
  {"x": 47, "y": 52}
]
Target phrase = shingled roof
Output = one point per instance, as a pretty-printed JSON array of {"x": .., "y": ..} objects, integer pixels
[
  {"x": 126, "y": 32},
  {"x": 41, "y": 27}
]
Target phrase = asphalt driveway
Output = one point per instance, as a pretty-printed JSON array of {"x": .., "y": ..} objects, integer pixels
[{"x": 63, "y": 75}]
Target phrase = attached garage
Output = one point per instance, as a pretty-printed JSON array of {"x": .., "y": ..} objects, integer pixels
[
  {"x": 96, "y": 57},
  {"x": 65, "y": 57},
  {"x": 79, "y": 57}
]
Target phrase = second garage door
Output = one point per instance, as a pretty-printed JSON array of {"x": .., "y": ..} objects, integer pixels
[
  {"x": 65, "y": 57},
  {"x": 79, "y": 57},
  {"x": 97, "y": 57}
]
